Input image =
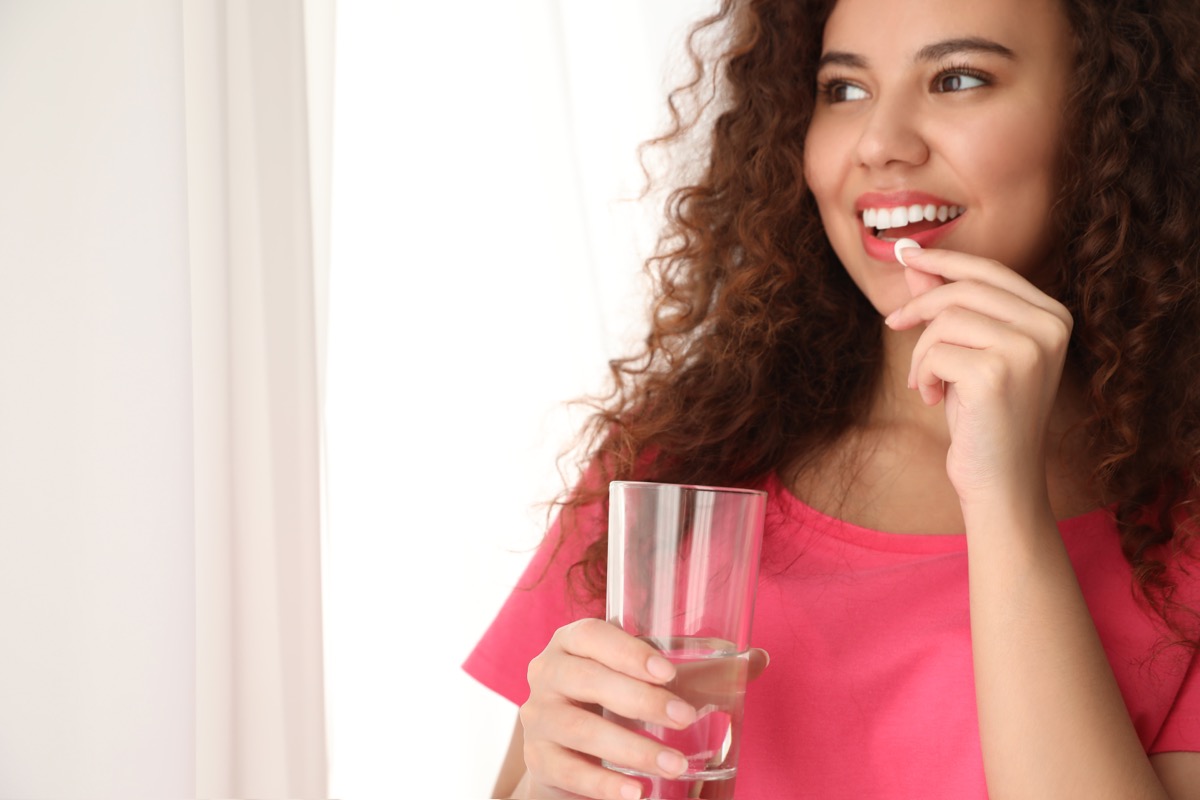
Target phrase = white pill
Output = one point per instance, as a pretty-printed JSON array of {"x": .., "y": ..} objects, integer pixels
[{"x": 900, "y": 245}]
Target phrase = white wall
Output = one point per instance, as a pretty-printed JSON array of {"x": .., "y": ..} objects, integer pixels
[
  {"x": 482, "y": 274},
  {"x": 96, "y": 570}
]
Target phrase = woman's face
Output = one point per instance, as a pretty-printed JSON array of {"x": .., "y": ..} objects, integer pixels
[{"x": 938, "y": 108}]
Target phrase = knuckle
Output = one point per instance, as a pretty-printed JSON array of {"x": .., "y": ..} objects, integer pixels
[
  {"x": 994, "y": 373},
  {"x": 1062, "y": 313},
  {"x": 530, "y": 715},
  {"x": 535, "y": 673},
  {"x": 565, "y": 632},
  {"x": 1028, "y": 353},
  {"x": 1063, "y": 325},
  {"x": 584, "y": 629}
]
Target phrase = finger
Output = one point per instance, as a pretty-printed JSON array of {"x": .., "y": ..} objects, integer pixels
[
  {"x": 982, "y": 298},
  {"x": 564, "y": 769},
  {"x": 960, "y": 328},
  {"x": 1049, "y": 332},
  {"x": 606, "y": 643},
  {"x": 920, "y": 282},
  {"x": 955, "y": 266},
  {"x": 946, "y": 363},
  {"x": 592, "y": 735},
  {"x": 583, "y": 680}
]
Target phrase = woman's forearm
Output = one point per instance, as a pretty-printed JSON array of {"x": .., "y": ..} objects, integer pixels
[{"x": 1051, "y": 717}]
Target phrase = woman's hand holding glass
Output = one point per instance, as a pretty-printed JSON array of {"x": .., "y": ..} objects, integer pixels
[{"x": 588, "y": 664}]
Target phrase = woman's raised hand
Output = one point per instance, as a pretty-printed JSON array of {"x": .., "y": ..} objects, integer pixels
[
  {"x": 993, "y": 349},
  {"x": 587, "y": 665}
]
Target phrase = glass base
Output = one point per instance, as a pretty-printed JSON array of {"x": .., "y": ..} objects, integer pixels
[{"x": 713, "y": 784}]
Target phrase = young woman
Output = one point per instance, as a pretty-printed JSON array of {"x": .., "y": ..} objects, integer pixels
[{"x": 981, "y": 452}]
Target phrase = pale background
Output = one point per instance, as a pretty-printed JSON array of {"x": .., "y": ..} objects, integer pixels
[
  {"x": 94, "y": 395},
  {"x": 160, "y": 597},
  {"x": 483, "y": 270}
]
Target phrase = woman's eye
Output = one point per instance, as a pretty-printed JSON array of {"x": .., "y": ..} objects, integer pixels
[
  {"x": 958, "y": 82},
  {"x": 844, "y": 92}
]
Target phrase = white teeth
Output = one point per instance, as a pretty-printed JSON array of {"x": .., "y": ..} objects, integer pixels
[{"x": 899, "y": 216}]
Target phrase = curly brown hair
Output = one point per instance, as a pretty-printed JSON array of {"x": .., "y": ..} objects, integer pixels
[{"x": 762, "y": 352}]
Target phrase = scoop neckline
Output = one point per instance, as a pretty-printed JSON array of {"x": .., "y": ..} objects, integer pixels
[{"x": 827, "y": 524}]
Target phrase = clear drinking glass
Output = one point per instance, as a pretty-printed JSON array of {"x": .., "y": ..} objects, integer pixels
[{"x": 682, "y": 573}]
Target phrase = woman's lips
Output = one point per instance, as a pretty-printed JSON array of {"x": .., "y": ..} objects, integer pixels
[{"x": 884, "y": 249}]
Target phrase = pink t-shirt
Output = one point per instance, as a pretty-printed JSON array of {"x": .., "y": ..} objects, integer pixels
[{"x": 870, "y": 691}]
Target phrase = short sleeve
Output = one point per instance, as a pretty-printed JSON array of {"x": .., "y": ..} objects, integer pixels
[{"x": 542, "y": 602}]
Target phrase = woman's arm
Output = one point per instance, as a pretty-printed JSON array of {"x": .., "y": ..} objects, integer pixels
[
  {"x": 1052, "y": 720},
  {"x": 513, "y": 768}
]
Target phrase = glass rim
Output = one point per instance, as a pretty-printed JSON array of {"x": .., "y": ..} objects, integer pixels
[{"x": 692, "y": 486}]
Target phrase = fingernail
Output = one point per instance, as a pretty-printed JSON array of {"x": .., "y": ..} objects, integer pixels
[
  {"x": 671, "y": 763},
  {"x": 660, "y": 668},
  {"x": 900, "y": 245},
  {"x": 631, "y": 792},
  {"x": 681, "y": 712},
  {"x": 891, "y": 318}
]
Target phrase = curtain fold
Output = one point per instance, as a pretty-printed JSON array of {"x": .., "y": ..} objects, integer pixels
[{"x": 256, "y": 87}]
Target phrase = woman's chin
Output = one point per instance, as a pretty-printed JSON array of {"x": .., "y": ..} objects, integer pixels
[{"x": 888, "y": 301}]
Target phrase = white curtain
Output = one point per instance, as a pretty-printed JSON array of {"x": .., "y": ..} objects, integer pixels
[
  {"x": 164, "y": 175},
  {"x": 257, "y": 224}
]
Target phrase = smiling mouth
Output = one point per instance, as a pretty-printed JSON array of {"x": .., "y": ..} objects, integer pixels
[{"x": 890, "y": 224}]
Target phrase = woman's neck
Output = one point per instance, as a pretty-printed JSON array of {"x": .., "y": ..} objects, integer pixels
[
  {"x": 888, "y": 472},
  {"x": 894, "y": 404}
]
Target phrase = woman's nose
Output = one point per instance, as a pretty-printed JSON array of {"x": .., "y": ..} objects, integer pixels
[{"x": 891, "y": 136}]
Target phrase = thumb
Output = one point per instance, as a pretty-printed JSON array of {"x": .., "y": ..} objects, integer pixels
[
  {"x": 918, "y": 282},
  {"x": 759, "y": 659}
]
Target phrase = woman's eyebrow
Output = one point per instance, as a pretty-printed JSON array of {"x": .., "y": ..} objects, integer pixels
[
  {"x": 842, "y": 59},
  {"x": 969, "y": 44},
  {"x": 930, "y": 52}
]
